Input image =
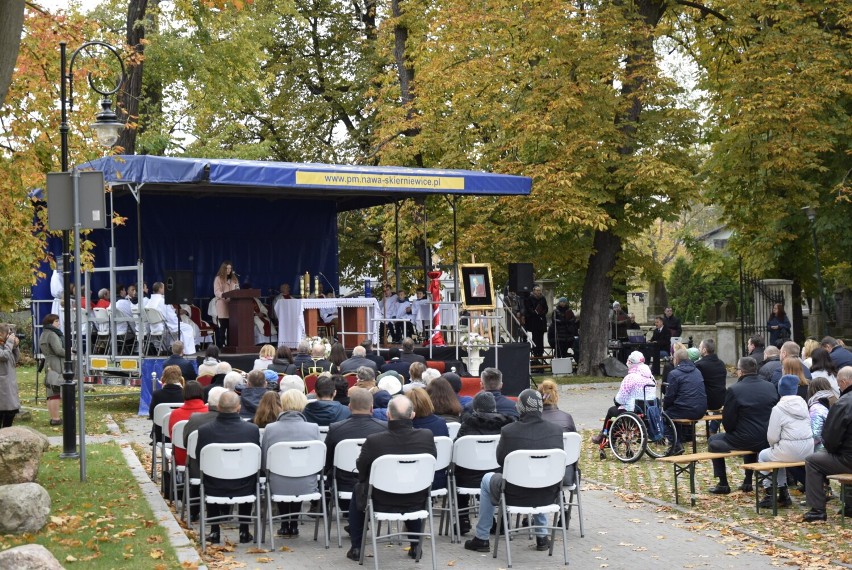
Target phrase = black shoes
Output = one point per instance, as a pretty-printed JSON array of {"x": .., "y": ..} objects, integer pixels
[
  {"x": 542, "y": 543},
  {"x": 720, "y": 489},
  {"x": 464, "y": 525},
  {"x": 746, "y": 488},
  {"x": 784, "y": 499},
  {"x": 245, "y": 537},
  {"x": 814, "y": 515},
  {"x": 354, "y": 554},
  {"x": 213, "y": 537},
  {"x": 477, "y": 544},
  {"x": 56, "y": 422},
  {"x": 289, "y": 530},
  {"x": 414, "y": 552}
]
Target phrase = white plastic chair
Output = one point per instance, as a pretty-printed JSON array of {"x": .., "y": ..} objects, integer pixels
[
  {"x": 174, "y": 467},
  {"x": 477, "y": 453},
  {"x": 155, "y": 321},
  {"x": 295, "y": 459},
  {"x": 346, "y": 453},
  {"x": 191, "y": 455},
  {"x": 230, "y": 461},
  {"x": 160, "y": 413},
  {"x": 454, "y": 428},
  {"x": 444, "y": 446},
  {"x": 323, "y": 432},
  {"x": 100, "y": 318},
  {"x": 533, "y": 469},
  {"x": 572, "y": 442},
  {"x": 399, "y": 474}
]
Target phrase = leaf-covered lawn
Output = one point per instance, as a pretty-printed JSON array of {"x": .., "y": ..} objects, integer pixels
[
  {"x": 97, "y": 408},
  {"x": 821, "y": 543},
  {"x": 103, "y": 523}
]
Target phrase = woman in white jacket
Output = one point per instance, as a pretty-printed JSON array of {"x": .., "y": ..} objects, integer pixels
[{"x": 789, "y": 436}]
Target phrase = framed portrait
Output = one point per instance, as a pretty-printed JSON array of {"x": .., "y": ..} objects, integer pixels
[{"x": 477, "y": 289}]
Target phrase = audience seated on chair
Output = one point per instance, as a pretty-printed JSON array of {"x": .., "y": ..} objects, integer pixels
[
  {"x": 158, "y": 302},
  {"x": 251, "y": 395},
  {"x": 530, "y": 432},
  {"x": 290, "y": 426},
  {"x": 325, "y": 410},
  {"x": 177, "y": 359},
  {"x": 170, "y": 393},
  {"x": 358, "y": 359},
  {"x": 491, "y": 380},
  {"x": 283, "y": 361},
  {"x": 400, "y": 438},
  {"x": 227, "y": 427}
]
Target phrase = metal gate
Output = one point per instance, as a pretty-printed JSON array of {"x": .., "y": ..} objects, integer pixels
[{"x": 756, "y": 302}]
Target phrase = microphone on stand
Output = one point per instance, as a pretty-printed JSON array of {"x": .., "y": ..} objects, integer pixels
[{"x": 327, "y": 282}]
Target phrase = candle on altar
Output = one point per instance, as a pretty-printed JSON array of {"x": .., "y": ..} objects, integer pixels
[{"x": 316, "y": 286}]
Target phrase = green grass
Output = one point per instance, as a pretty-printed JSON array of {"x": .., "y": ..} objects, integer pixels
[
  {"x": 653, "y": 479},
  {"x": 117, "y": 401},
  {"x": 103, "y": 523}
]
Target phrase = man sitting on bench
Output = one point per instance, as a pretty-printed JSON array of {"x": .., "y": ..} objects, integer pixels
[{"x": 748, "y": 405}]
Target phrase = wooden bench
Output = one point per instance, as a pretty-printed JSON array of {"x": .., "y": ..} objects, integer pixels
[
  {"x": 759, "y": 478},
  {"x": 686, "y": 464},
  {"x": 844, "y": 479},
  {"x": 692, "y": 423}
]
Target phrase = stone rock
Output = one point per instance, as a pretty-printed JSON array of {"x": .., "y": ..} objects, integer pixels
[
  {"x": 29, "y": 557},
  {"x": 25, "y": 506},
  {"x": 20, "y": 454}
]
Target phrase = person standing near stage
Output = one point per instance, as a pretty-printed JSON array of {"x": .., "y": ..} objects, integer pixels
[
  {"x": 535, "y": 319},
  {"x": 225, "y": 281}
]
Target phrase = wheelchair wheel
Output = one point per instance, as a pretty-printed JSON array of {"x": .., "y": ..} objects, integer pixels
[
  {"x": 627, "y": 438},
  {"x": 667, "y": 444}
]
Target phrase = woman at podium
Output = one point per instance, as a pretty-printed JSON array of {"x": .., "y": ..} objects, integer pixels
[{"x": 226, "y": 280}]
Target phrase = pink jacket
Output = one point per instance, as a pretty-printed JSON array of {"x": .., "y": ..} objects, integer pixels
[{"x": 633, "y": 387}]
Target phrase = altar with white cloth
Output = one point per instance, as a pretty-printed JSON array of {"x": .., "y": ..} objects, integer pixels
[{"x": 297, "y": 318}]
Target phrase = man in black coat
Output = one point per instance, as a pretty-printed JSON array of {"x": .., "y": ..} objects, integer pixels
[
  {"x": 491, "y": 380},
  {"x": 531, "y": 431},
  {"x": 535, "y": 319},
  {"x": 672, "y": 323},
  {"x": 840, "y": 355},
  {"x": 748, "y": 405},
  {"x": 177, "y": 359},
  {"x": 837, "y": 455},
  {"x": 401, "y": 438},
  {"x": 358, "y": 359},
  {"x": 408, "y": 355},
  {"x": 228, "y": 428},
  {"x": 372, "y": 354},
  {"x": 662, "y": 339},
  {"x": 714, "y": 373},
  {"x": 359, "y": 425},
  {"x": 756, "y": 346},
  {"x": 196, "y": 421}
]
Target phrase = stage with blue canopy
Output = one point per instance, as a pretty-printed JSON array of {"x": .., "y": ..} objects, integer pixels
[{"x": 273, "y": 220}]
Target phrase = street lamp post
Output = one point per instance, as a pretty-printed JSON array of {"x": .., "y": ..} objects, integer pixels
[
  {"x": 810, "y": 211},
  {"x": 107, "y": 129}
]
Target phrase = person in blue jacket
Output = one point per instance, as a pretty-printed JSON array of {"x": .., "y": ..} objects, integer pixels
[
  {"x": 685, "y": 396},
  {"x": 779, "y": 326}
]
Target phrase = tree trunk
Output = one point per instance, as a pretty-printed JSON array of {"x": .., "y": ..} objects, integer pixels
[
  {"x": 11, "y": 26},
  {"x": 594, "y": 313},
  {"x": 132, "y": 92}
]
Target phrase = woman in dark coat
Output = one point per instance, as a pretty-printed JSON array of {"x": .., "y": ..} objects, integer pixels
[
  {"x": 283, "y": 361},
  {"x": 563, "y": 328},
  {"x": 170, "y": 393},
  {"x": 779, "y": 326},
  {"x": 52, "y": 346}
]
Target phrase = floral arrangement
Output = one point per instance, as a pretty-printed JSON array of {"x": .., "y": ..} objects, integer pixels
[
  {"x": 475, "y": 341},
  {"x": 315, "y": 340}
]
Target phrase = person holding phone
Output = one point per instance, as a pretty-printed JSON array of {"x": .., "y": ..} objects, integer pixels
[{"x": 10, "y": 403}]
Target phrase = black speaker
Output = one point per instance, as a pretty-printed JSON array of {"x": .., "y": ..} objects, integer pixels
[
  {"x": 520, "y": 277},
  {"x": 179, "y": 287}
]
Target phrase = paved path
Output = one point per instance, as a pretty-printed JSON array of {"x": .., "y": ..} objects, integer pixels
[{"x": 620, "y": 532}]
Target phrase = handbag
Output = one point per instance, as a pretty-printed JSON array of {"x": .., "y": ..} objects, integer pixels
[{"x": 655, "y": 420}]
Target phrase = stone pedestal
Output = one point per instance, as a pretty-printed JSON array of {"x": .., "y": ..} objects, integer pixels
[{"x": 727, "y": 343}]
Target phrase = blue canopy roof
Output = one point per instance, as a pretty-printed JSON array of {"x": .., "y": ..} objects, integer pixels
[{"x": 350, "y": 186}]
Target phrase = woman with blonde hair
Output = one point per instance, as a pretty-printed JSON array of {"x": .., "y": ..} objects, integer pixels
[
  {"x": 265, "y": 357},
  {"x": 224, "y": 282},
  {"x": 807, "y": 351},
  {"x": 290, "y": 426},
  {"x": 425, "y": 418},
  {"x": 792, "y": 365},
  {"x": 550, "y": 396},
  {"x": 267, "y": 410}
]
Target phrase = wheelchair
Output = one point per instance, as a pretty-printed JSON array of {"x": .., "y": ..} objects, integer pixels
[{"x": 629, "y": 434}]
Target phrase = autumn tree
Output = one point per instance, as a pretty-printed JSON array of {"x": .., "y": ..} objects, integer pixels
[
  {"x": 777, "y": 79},
  {"x": 569, "y": 94},
  {"x": 11, "y": 24}
]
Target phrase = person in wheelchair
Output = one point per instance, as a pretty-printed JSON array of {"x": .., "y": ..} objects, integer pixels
[
  {"x": 685, "y": 397},
  {"x": 632, "y": 393}
]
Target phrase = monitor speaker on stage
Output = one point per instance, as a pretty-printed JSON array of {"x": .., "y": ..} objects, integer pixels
[
  {"x": 179, "y": 287},
  {"x": 520, "y": 277}
]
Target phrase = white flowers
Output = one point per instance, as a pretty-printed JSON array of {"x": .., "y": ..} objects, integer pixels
[
  {"x": 315, "y": 340},
  {"x": 475, "y": 341}
]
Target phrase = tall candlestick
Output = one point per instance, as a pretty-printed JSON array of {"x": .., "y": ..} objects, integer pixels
[{"x": 316, "y": 286}]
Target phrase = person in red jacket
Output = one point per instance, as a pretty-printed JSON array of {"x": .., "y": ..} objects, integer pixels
[{"x": 193, "y": 403}]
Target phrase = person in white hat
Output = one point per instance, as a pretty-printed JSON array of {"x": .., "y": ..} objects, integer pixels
[{"x": 639, "y": 384}]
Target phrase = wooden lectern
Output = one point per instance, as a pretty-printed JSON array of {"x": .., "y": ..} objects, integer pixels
[{"x": 241, "y": 321}]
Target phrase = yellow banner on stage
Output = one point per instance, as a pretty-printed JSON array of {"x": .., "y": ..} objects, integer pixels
[{"x": 355, "y": 179}]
